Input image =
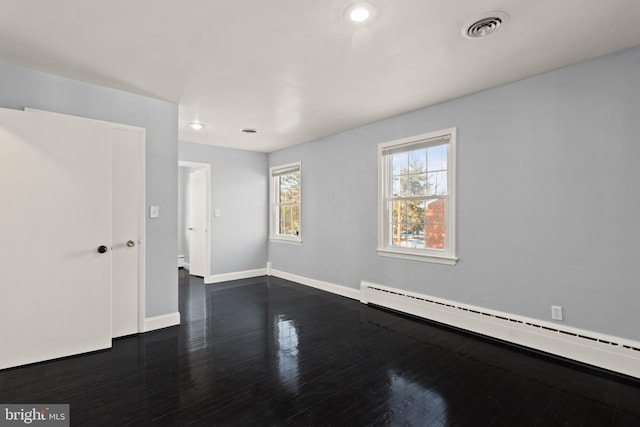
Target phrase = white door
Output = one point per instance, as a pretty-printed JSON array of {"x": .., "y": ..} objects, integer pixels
[
  {"x": 197, "y": 222},
  {"x": 55, "y": 214},
  {"x": 126, "y": 166}
]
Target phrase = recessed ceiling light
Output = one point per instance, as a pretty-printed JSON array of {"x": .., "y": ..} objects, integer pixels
[
  {"x": 196, "y": 125},
  {"x": 359, "y": 12},
  {"x": 249, "y": 130},
  {"x": 485, "y": 25}
]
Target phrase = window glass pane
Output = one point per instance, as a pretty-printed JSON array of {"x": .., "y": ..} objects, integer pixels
[
  {"x": 412, "y": 185},
  {"x": 415, "y": 211},
  {"x": 399, "y": 220},
  {"x": 400, "y": 162},
  {"x": 415, "y": 236},
  {"x": 396, "y": 188},
  {"x": 285, "y": 228},
  {"x": 295, "y": 220},
  {"x": 418, "y": 161},
  {"x": 399, "y": 212},
  {"x": 436, "y": 232},
  {"x": 435, "y": 236},
  {"x": 415, "y": 239},
  {"x": 404, "y": 186},
  {"x": 289, "y": 220},
  {"x": 437, "y": 184},
  {"x": 400, "y": 238},
  {"x": 289, "y": 186},
  {"x": 284, "y": 219},
  {"x": 437, "y": 158},
  {"x": 284, "y": 213},
  {"x": 416, "y": 184}
]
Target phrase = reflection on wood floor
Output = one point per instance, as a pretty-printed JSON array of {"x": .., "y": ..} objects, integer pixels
[{"x": 268, "y": 352}]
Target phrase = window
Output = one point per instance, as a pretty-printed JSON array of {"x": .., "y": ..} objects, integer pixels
[
  {"x": 417, "y": 197},
  {"x": 286, "y": 203}
]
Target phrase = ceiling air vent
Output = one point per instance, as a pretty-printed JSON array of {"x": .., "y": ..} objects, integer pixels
[{"x": 484, "y": 26}]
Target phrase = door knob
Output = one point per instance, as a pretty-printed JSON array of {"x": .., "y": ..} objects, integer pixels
[
  {"x": 102, "y": 249},
  {"x": 131, "y": 243}
]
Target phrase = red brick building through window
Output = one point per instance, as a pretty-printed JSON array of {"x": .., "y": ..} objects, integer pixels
[{"x": 435, "y": 236}]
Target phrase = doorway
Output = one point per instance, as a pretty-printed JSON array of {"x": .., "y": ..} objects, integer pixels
[{"x": 195, "y": 218}]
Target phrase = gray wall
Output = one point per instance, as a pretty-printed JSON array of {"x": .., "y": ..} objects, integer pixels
[
  {"x": 239, "y": 189},
  {"x": 548, "y": 205},
  {"x": 22, "y": 87}
]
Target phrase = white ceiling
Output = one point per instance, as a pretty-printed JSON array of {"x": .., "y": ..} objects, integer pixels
[{"x": 295, "y": 69}]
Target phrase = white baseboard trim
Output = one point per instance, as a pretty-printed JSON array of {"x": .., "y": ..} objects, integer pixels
[
  {"x": 186, "y": 265},
  {"x": 181, "y": 261},
  {"x": 318, "y": 284},
  {"x": 162, "y": 321},
  {"x": 225, "y": 277},
  {"x": 600, "y": 350}
]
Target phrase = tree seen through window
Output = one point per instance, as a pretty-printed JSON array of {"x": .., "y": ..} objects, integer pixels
[{"x": 418, "y": 193}]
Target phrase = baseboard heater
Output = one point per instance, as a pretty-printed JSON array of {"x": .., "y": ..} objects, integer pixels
[{"x": 603, "y": 351}]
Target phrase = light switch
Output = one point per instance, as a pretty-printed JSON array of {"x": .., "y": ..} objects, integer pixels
[
  {"x": 154, "y": 211},
  {"x": 216, "y": 212}
]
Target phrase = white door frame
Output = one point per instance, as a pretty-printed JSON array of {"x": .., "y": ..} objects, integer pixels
[{"x": 207, "y": 238}]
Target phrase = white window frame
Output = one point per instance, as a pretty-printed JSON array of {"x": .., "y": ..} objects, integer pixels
[
  {"x": 444, "y": 256},
  {"x": 274, "y": 173}
]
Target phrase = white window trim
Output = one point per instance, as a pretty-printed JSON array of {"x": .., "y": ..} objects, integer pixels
[
  {"x": 273, "y": 237},
  {"x": 436, "y": 256}
]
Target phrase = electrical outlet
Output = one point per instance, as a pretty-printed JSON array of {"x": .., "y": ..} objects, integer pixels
[{"x": 556, "y": 312}]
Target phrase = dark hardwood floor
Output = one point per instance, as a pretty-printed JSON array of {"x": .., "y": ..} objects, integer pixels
[{"x": 267, "y": 352}]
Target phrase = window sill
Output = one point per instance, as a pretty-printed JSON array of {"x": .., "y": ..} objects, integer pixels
[
  {"x": 293, "y": 241},
  {"x": 437, "y": 259}
]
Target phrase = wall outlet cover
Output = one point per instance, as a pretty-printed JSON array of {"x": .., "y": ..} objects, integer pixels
[{"x": 556, "y": 312}]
